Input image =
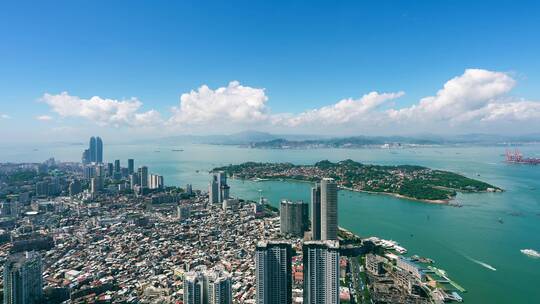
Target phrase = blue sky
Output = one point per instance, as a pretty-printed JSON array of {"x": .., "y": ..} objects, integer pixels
[{"x": 305, "y": 54}]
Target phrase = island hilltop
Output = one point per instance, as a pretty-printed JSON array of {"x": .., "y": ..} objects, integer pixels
[{"x": 411, "y": 182}]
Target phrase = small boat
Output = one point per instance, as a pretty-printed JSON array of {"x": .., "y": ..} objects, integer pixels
[
  {"x": 531, "y": 252},
  {"x": 500, "y": 220},
  {"x": 257, "y": 179},
  {"x": 177, "y": 150}
]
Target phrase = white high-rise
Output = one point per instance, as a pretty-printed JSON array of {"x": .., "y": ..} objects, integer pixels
[
  {"x": 194, "y": 286},
  {"x": 329, "y": 209},
  {"x": 203, "y": 286},
  {"x": 321, "y": 272},
  {"x": 156, "y": 181},
  {"x": 219, "y": 286}
]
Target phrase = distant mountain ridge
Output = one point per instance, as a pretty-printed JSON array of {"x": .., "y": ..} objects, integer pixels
[
  {"x": 240, "y": 138},
  {"x": 396, "y": 141},
  {"x": 257, "y": 139}
]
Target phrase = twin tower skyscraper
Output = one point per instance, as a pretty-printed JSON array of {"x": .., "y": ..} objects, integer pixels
[{"x": 94, "y": 153}]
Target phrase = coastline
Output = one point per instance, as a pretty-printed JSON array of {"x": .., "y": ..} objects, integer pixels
[{"x": 396, "y": 195}]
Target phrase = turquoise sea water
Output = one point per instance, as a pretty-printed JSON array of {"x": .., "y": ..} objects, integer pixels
[{"x": 460, "y": 240}]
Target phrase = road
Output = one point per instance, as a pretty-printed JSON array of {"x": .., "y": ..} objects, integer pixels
[{"x": 358, "y": 285}]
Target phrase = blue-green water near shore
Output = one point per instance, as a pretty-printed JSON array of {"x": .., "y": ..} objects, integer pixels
[{"x": 459, "y": 239}]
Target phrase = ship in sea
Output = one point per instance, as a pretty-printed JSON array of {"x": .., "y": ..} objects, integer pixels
[
  {"x": 515, "y": 157},
  {"x": 531, "y": 252}
]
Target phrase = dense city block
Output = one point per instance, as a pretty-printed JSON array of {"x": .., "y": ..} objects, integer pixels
[{"x": 92, "y": 232}]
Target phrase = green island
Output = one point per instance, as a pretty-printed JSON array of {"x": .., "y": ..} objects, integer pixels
[{"x": 406, "y": 181}]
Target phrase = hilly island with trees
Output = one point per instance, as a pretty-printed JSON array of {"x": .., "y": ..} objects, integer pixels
[{"x": 406, "y": 181}]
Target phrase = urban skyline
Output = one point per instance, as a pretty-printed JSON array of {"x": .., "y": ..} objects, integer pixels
[
  {"x": 269, "y": 152},
  {"x": 276, "y": 255}
]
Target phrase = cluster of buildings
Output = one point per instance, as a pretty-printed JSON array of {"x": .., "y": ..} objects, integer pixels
[
  {"x": 320, "y": 251},
  {"x": 99, "y": 174},
  {"x": 110, "y": 234},
  {"x": 132, "y": 248}
]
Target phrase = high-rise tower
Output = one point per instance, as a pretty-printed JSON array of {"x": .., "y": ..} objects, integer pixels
[
  {"x": 131, "y": 166},
  {"x": 329, "y": 208},
  {"x": 213, "y": 190},
  {"x": 92, "y": 149},
  {"x": 293, "y": 217},
  {"x": 99, "y": 150},
  {"x": 202, "y": 286},
  {"x": 316, "y": 212},
  {"x": 23, "y": 281},
  {"x": 223, "y": 193},
  {"x": 321, "y": 272},
  {"x": 273, "y": 272},
  {"x": 143, "y": 177},
  {"x": 219, "y": 286}
]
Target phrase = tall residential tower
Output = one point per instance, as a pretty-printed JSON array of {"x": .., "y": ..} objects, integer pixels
[
  {"x": 273, "y": 272},
  {"x": 329, "y": 209},
  {"x": 293, "y": 217},
  {"x": 202, "y": 286},
  {"x": 218, "y": 190},
  {"x": 23, "y": 281},
  {"x": 316, "y": 212},
  {"x": 99, "y": 150},
  {"x": 321, "y": 272}
]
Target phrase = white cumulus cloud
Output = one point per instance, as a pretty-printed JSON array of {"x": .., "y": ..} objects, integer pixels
[
  {"x": 234, "y": 104},
  {"x": 459, "y": 98},
  {"x": 511, "y": 111},
  {"x": 4, "y": 116},
  {"x": 343, "y": 112},
  {"x": 44, "y": 118},
  {"x": 103, "y": 111},
  {"x": 477, "y": 98}
]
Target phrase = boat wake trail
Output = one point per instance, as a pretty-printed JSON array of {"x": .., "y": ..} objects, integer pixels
[
  {"x": 531, "y": 252},
  {"x": 485, "y": 265}
]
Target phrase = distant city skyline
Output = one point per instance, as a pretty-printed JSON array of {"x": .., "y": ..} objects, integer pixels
[{"x": 305, "y": 68}]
